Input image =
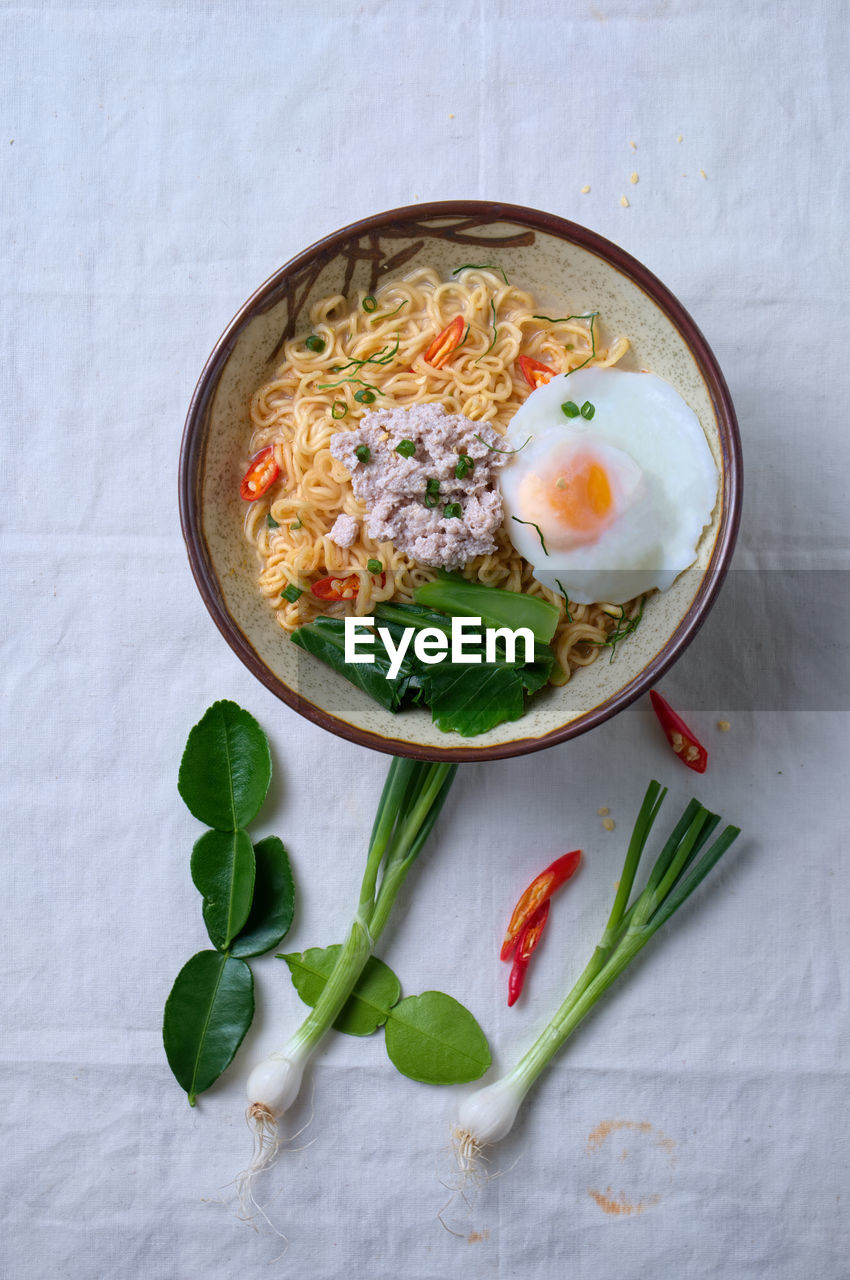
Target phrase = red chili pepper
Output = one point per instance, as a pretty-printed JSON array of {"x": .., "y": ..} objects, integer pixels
[
  {"x": 534, "y": 372},
  {"x": 261, "y": 474},
  {"x": 686, "y": 745},
  {"x": 444, "y": 343},
  {"x": 336, "y": 588},
  {"x": 540, "y": 889},
  {"x": 526, "y": 943}
]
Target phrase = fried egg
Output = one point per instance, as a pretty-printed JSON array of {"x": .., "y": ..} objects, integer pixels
[{"x": 609, "y": 496}]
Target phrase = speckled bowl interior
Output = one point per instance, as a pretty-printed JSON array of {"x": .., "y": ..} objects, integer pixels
[{"x": 569, "y": 269}]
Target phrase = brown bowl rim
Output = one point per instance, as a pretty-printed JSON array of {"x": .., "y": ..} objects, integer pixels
[{"x": 192, "y": 454}]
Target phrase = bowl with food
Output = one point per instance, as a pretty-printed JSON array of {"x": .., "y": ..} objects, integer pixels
[{"x": 460, "y": 481}]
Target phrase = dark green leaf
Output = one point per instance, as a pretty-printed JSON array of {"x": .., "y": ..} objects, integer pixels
[
  {"x": 226, "y": 767},
  {"x": 273, "y": 903},
  {"x": 367, "y": 1008},
  {"x": 472, "y": 699},
  {"x": 325, "y": 639},
  {"x": 223, "y": 872},
  {"x": 206, "y": 1016},
  {"x": 434, "y": 1039}
]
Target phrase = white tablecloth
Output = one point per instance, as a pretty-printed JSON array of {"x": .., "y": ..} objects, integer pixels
[{"x": 159, "y": 162}]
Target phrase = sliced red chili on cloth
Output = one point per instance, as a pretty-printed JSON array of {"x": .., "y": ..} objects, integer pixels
[
  {"x": 534, "y": 372},
  {"x": 541, "y": 888},
  {"x": 260, "y": 475},
  {"x": 444, "y": 343},
  {"x": 684, "y": 742},
  {"x": 526, "y": 944}
]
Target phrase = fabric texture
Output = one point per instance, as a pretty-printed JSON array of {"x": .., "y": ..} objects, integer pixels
[{"x": 158, "y": 163}]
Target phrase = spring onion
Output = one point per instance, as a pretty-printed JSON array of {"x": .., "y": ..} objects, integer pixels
[
  {"x": 291, "y": 593},
  {"x": 406, "y": 448},
  {"x": 452, "y": 511},
  {"x": 271, "y": 522},
  {"x": 683, "y": 863},
  {"x": 370, "y": 302},
  {"x": 314, "y": 343},
  {"x": 570, "y": 409},
  {"x": 413, "y": 795},
  {"x": 363, "y": 453},
  {"x": 374, "y": 566},
  {"x": 339, "y": 409},
  {"x": 588, "y": 410}
]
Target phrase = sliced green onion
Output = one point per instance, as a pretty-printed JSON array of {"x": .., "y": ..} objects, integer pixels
[
  {"x": 430, "y": 500},
  {"x": 432, "y": 485},
  {"x": 363, "y": 453},
  {"x": 374, "y": 566},
  {"x": 314, "y": 343},
  {"x": 299, "y": 524},
  {"x": 588, "y": 410},
  {"x": 364, "y": 397},
  {"x": 339, "y": 409},
  {"x": 465, "y": 464},
  {"x": 453, "y": 510},
  {"x": 570, "y": 409},
  {"x": 406, "y": 448},
  {"x": 370, "y": 302},
  {"x": 271, "y": 522},
  {"x": 291, "y": 593}
]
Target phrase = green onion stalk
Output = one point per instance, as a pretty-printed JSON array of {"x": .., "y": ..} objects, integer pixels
[
  {"x": 413, "y": 795},
  {"x": 487, "y": 1116}
]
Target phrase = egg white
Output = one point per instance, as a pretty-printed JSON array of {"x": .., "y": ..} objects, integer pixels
[{"x": 653, "y": 536}]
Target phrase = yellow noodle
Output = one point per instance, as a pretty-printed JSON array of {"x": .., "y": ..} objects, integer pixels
[{"x": 481, "y": 380}]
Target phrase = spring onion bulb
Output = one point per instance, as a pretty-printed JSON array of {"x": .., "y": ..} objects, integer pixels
[
  {"x": 488, "y": 1115},
  {"x": 413, "y": 795}
]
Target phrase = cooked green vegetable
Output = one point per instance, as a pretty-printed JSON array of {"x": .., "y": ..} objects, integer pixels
[
  {"x": 496, "y": 608},
  {"x": 468, "y": 699},
  {"x": 406, "y": 448},
  {"x": 291, "y": 593},
  {"x": 314, "y": 343},
  {"x": 363, "y": 453}
]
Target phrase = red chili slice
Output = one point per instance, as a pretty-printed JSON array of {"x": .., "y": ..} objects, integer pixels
[
  {"x": 341, "y": 588},
  {"x": 683, "y": 741},
  {"x": 444, "y": 343},
  {"x": 336, "y": 588},
  {"x": 261, "y": 474},
  {"x": 539, "y": 891},
  {"x": 528, "y": 940},
  {"x": 534, "y": 372}
]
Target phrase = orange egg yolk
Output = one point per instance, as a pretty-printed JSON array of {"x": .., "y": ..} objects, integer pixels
[{"x": 581, "y": 497}]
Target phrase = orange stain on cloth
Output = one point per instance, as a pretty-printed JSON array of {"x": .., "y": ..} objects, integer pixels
[{"x": 646, "y": 1141}]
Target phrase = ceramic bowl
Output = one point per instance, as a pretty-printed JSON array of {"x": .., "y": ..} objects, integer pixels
[{"x": 565, "y": 266}]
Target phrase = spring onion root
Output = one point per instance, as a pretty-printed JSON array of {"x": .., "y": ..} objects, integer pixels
[
  {"x": 488, "y": 1115},
  {"x": 413, "y": 795}
]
